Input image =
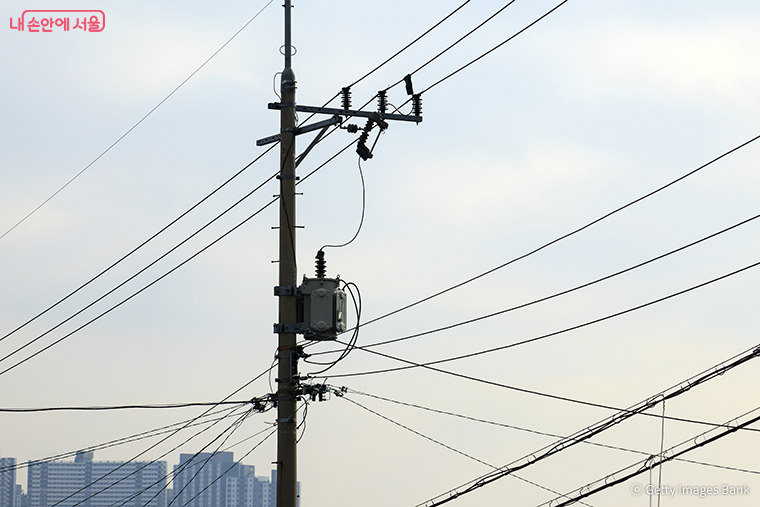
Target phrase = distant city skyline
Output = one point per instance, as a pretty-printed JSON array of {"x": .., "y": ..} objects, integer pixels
[{"x": 200, "y": 480}]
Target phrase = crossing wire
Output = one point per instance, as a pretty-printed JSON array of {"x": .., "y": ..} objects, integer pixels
[
  {"x": 446, "y": 446},
  {"x": 109, "y": 310},
  {"x": 411, "y": 364},
  {"x": 535, "y": 432},
  {"x": 601, "y": 426},
  {"x": 138, "y": 123},
  {"x": 138, "y": 247},
  {"x": 748, "y": 354},
  {"x": 119, "y": 441},
  {"x": 566, "y": 235},
  {"x": 654, "y": 461},
  {"x": 556, "y": 294}
]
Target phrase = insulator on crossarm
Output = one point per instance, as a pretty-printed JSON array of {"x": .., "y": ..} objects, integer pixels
[
  {"x": 321, "y": 264},
  {"x": 417, "y": 104},
  {"x": 346, "y": 97},
  {"x": 382, "y": 101}
]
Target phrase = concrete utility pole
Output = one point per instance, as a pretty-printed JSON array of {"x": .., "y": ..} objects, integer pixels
[{"x": 287, "y": 372}]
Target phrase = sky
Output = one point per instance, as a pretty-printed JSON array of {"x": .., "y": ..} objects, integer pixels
[{"x": 598, "y": 104}]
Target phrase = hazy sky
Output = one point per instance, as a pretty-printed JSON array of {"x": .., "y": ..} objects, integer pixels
[{"x": 593, "y": 107}]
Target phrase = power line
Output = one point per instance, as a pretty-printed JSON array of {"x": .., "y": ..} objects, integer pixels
[
  {"x": 123, "y": 440},
  {"x": 537, "y": 432},
  {"x": 601, "y": 426},
  {"x": 742, "y": 357},
  {"x": 151, "y": 238},
  {"x": 29, "y": 343},
  {"x": 139, "y": 122},
  {"x": 657, "y": 460},
  {"x": 411, "y": 364},
  {"x": 453, "y": 449},
  {"x": 145, "y": 465},
  {"x": 240, "y": 224},
  {"x": 453, "y": 44},
  {"x": 490, "y": 50},
  {"x": 122, "y": 407},
  {"x": 565, "y": 236},
  {"x": 257, "y": 407},
  {"x": 557, "y": 294}
]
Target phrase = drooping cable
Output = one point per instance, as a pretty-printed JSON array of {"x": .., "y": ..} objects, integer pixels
[
  {"x": 411, "y": 365},
  {"x": 706, "y": 375},
  {"x": 138, "y": 123},
  {"x": 563, "y": 444},
  {"x": 478, "y": 27},
  {"x": 138, "y": 247},
  {"x": 364, "y": 205},
  {"x": 128, "y": 439},
  {"x": 560, "y": 293},
  {"x": 446, "y": 446},
  {"x": 230, "y": 231},
  {"x": 533, "y": 431},
  {"x": 641, "y": 467}
]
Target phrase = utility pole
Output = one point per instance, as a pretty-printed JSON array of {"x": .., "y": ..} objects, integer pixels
[{"x": 287, "y": 370}]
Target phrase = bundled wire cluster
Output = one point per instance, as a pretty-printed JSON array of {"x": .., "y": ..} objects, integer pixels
[{"x": 309, "y": 391}]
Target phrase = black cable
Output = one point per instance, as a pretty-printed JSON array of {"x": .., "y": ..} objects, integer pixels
[
  {"x": 438, "y": 442},
  {"x": 408, "y": 46},
  {"x": 489, "y": 51},
  {"x": 392, "y": 57},
  {"x": 122, "y": 407},
  {"x": 753, "y": 352},
  {"x": 364, "y": 204},
  {"x": 122, "y": 465},
  {"x": 547, "y": 335},
  {"x": 139, "y": 122},
  {"x": 536, "y": 432},
  {"x": 238, "y": 461},
  {"x": 567, "y": 235},
  {"x": 647, "y": 464},
  {"x": 179, "y": 493},
  {"x": 557, "y": 294},
  {"x": 175, "y": 267},
  {"x": 175, "y": 247},
  {"x": 119, "y": 441},
  {"x": 43, "y": 312},
  {"x": 453, "y": 44},
  {"x": 584, "y": 434},
  {"x": 357, "y": 300}
]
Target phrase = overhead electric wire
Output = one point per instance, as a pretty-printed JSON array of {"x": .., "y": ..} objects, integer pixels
[
  {"x": 446, "y": 446},
  {"x": 411, "y": 365},
  {"x": 489, "y": 51},
  {"x": 122, "y": 407},
  {"x": 240, "y": 224},
  {"x": 417, "y": 39},
  {"x": 164, "y": 255},
  {"x": 556, "y": 294},
  {"x": 534, "y": 431},
  {"x": 454, "y": 43},
  {"x": 566, "y": 235},
  {"x": 601, "y": 426},
  {"x": 151, "y": 238},
  {"x": 748, "y": 354},
  {"x": 178, "y": 494},
  {"x": 145, "y": 465},
  {"x": 186, "y": 425},
  {"x": 655, "y": 460},
  {"x": 240, "y": 460},
  {"x": 120, "y": 441},
  {"x": 139, "y": 122}
]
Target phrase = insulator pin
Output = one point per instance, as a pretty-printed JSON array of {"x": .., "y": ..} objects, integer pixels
[{"x": 346, "y": 97}]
